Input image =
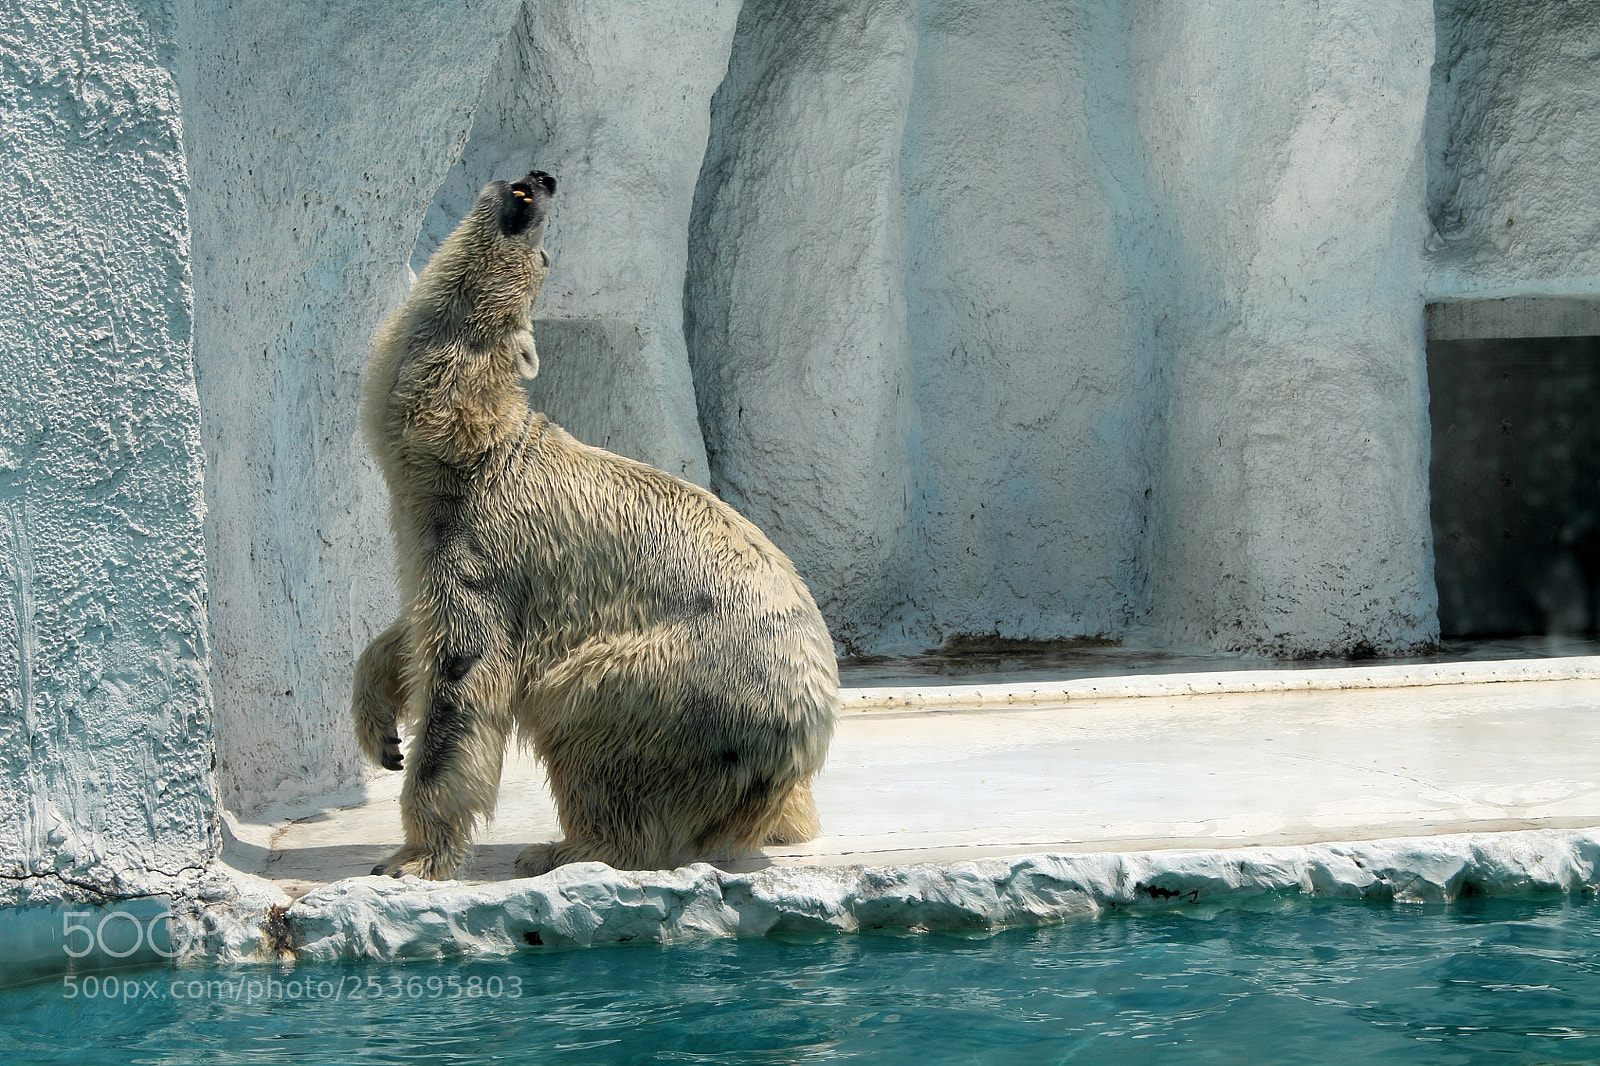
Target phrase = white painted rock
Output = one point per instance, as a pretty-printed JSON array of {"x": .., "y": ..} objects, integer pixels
[
  {"x": 1044, "y": 320},
  {"x": 1513, "y": 145},
  {"x": 589, "y": 903},
  {"x": 105, "y": 698}
]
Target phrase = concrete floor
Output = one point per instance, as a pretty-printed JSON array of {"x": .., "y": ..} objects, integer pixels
[{"x": 1119, "y": 774}]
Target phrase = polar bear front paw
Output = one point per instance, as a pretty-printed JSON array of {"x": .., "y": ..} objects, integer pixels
[
  {"x": 414, "y": 862},
  {"x": 537, "y": 859}
]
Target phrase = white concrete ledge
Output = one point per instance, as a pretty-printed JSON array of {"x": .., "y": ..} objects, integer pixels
[
  {"x": 1235, "y": 786},
  {"x": 590, "y": 904},
  {"x": 1311, "y": 679}
]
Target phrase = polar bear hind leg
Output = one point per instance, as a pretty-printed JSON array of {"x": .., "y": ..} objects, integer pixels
[
  {"x": 797, "y": 821},
  {"x": 653, "y": 762}
]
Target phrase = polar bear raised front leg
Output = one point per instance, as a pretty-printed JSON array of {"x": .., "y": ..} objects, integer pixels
[{"x": 379, "y": 697}]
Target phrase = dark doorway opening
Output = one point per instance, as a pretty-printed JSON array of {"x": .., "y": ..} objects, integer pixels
[{"x": 1515, "y": 483}]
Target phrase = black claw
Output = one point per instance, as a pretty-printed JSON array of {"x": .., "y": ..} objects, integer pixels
[
  {"x": 392, "y": 762},
  {"x": 377, "y": 871}
]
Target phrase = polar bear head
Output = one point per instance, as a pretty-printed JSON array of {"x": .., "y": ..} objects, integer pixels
[
  {"x": 522, "y": 208},
  {"x": 464, "y": 333},
  {"x": 487, "y": 273}
]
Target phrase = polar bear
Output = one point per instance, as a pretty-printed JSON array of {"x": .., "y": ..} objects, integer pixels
[{"x": 662, "y": 657}]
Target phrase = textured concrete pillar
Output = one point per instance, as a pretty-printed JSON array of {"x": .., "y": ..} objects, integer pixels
[
  {"x": 796, "y": 299},
  {"x": 1287, "y": 154},
  {"x": 105, "y": 708}
]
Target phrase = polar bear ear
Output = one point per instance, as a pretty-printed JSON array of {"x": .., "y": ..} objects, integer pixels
[{"x": 525, "y": 355}]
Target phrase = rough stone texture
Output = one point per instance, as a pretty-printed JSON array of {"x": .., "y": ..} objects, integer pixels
[
  {"x": 796, "y": 305},
  {"x": 1292, "y": 508},
  {"x": 1031, "y": 332},
  {"x": 589, "y": 903},
  {"x": 1109, "y": 316},
  {"x": 105, "y": 708},
  {"x": 223, "y": 915},
  {"x": 1514, "y": 149},
  {"x": 317, "y": 137},
  {"x": 613, "y": 100}
]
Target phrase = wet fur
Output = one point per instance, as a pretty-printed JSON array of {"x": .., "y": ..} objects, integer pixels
[{"x": 664, "y": 660}]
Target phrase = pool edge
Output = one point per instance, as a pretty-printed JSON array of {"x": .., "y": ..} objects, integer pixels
[{"x": 590, "y": 904}]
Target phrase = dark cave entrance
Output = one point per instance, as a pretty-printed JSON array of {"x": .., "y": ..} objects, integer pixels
[{"x": 1514, "y": 403}]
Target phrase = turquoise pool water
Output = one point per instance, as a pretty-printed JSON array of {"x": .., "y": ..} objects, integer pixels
[{"x": 1507, "y": 981}]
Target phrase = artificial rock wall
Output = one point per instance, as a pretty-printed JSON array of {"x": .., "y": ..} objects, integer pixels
[
  {"x": 612, "y": 99},
  {"x": 1056, "y": 320},
  {"x": 1514, "y": 149},
  {"x": 105, "y": 702},
  {"x": 1513, "y": 142},
  {"x": 1285, "y": 162},
  {"x": 317, "y": 136},
  {"x": 1031, "y": 319}
]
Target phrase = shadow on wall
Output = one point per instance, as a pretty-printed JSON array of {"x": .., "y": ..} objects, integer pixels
[
  {"x": 588, "y": 370},
  {"x": 315, "y": 136}
]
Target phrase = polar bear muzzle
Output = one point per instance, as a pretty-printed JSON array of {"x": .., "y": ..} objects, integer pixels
[{"x": 526, "y": 203}]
